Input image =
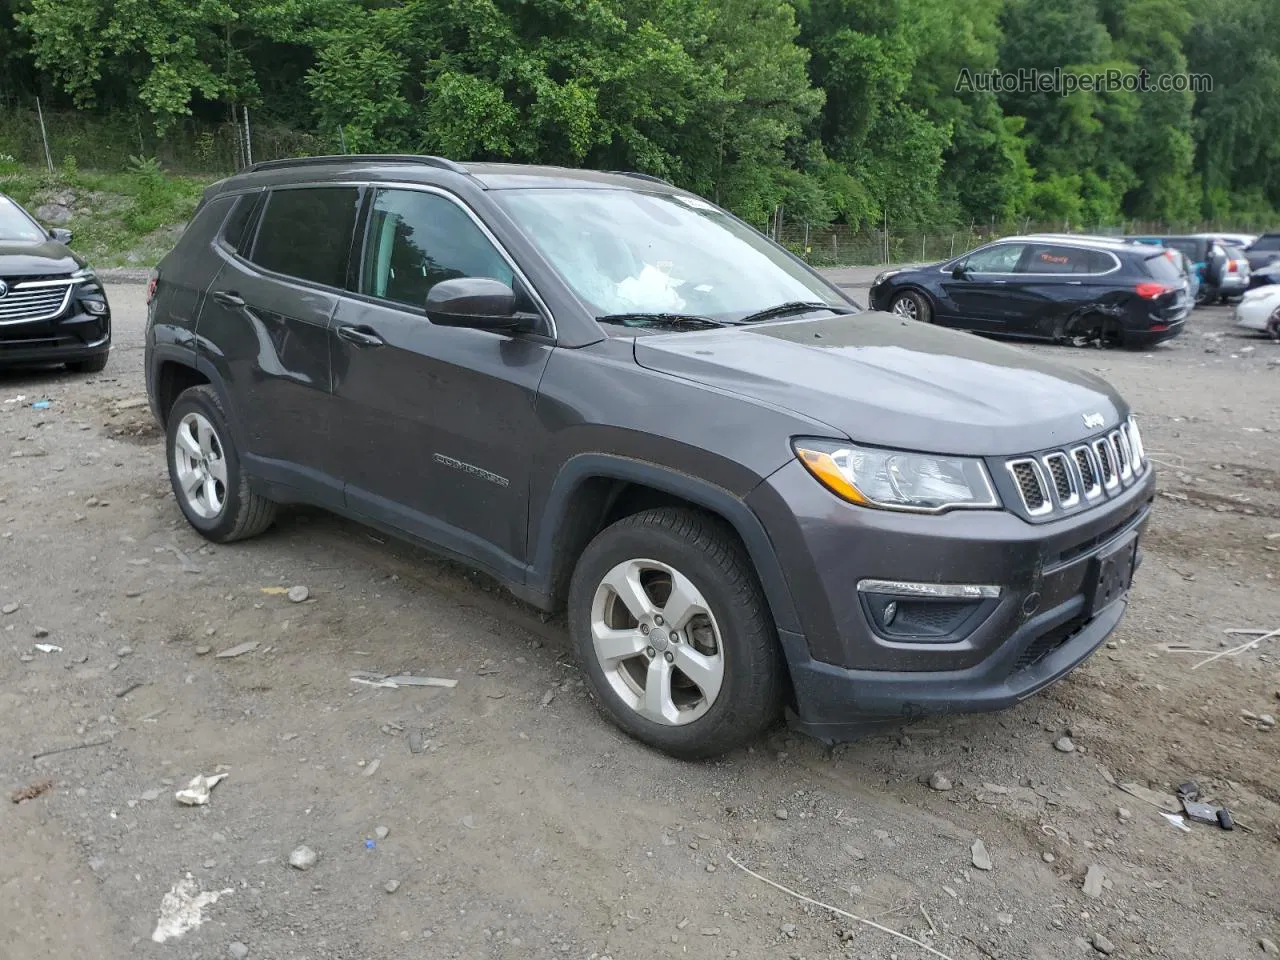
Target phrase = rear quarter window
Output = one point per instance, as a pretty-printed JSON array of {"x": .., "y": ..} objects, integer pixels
[
  {"x": 1161, "y": 267},
  {"x": 205, "y": 224},
  {"x": 234, "y": 233}
]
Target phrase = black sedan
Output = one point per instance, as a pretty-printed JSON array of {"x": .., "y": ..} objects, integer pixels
[
  {"x": 1049, "y": 287},
  {"x": 52, "y": 306}
]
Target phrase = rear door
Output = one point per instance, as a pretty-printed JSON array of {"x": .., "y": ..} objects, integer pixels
[
  {"x": 1058, "y": 282},
  {"x": 268, "y": 314},
  {"x": 986, "y": 296},
  {"x": 434, "y": 425}
]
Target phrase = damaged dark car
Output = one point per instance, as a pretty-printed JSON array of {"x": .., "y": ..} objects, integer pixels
[{"x": 1046, "y": 287}]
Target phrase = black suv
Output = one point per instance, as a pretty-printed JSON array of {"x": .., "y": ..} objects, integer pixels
[
  {"x": 52, "y": 307},
  {"x": 1046, "y": 286},
  {"x": 617, "y": 398}
]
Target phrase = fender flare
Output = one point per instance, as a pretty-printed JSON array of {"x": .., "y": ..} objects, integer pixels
[
  {"x": 732, "y": 508},
  {"x": 186, "y": 357}
]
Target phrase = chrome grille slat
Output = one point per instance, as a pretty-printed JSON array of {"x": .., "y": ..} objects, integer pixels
[
  {"x": 1029, "y": 477},
  {"x": 1064, "y": 479},
  {"x": 1087, "y": 470},
  {"x": 24, "y": 304},
  {"x": 1121, "y": 449}
]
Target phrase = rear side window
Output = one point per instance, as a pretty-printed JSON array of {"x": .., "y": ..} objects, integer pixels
[
  {"x": 233, "y": 235},
  {"x": 1164, "y": 268},
  {"x": 306, "y": 233},
  {"x": 1053, "y": 259}
]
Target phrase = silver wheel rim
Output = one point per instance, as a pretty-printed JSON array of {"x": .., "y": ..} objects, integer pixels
[
  {"x": 200, "y": 466},
  {"x": 657, "y": 642},
  {"x": 906, "y": 307}
]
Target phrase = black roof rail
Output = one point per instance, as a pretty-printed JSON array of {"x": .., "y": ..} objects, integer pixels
[
  {"x": 438, "y": 162},
  {"x": 641, "y": 176}
]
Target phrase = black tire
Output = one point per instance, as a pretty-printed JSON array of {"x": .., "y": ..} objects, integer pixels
[
  {"x": 913, "y": 300},
  {"x": 92, "y": 365},
  {"x": 706, "y": 551},
  {"x": 244, "y": 513}
]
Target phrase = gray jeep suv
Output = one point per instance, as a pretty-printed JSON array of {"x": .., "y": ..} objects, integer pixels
[{"x": 617, "y": 399}]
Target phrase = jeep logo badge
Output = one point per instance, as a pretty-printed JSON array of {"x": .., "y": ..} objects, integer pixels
[{"x": 1093, "y": 421}]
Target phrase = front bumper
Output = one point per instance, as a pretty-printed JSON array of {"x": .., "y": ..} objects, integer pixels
[
  {"x": 846, "y": 673},
  {"x": 72, "y": 337}
]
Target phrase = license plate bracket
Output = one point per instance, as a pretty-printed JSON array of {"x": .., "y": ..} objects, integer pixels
[{"x": 1112, "y": 574}]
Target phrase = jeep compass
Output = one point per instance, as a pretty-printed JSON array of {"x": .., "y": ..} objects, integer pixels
[{"x": 748, "y": 495}]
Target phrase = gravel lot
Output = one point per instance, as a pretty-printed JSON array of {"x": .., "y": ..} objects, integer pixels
[{"x": 518, "y": 823}]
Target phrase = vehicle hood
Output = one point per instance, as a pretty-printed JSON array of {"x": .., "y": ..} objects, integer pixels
[
  {"x": 25, "y": 259},
  {"x": 882, "y": 380}
]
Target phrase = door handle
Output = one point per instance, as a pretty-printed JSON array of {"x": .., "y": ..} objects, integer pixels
[
  {"x": 228, "y": 299},
  {"x": 360, "y": 336},
  {"x": 1074, "y": 283}
]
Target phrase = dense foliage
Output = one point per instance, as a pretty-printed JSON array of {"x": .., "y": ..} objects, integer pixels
[{"x": 837, "y": 109}]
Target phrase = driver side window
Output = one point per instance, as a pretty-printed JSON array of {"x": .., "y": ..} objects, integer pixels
[
  {"x": 1001, "y": 258},
  {"x": 417, "y": 239}
]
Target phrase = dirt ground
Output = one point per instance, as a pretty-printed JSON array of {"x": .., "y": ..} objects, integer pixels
[{"x": 518, "y": 823}]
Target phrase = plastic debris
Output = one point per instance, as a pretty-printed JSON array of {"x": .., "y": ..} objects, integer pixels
[
  {"x": 237, "y": 650},
  {"x": 1177, "y": 821},
  {"x": 404, "y": 680},
  {"x": 196, "y": 793},
  {"x": 40, "y": 405},
  {"x": 275, "y": 591},
  {"x": 182, "y": 909},
  {"x": 48, "y": 648}
]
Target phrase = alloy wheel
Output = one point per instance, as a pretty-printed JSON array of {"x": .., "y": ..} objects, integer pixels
[
  {"x": 200, "y": 466},
  {"x": 906, "y": 307},
  {"x": 657, "y": 642}
]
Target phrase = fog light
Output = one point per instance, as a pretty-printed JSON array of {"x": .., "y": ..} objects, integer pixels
[
  {"x": 94, "y": 308},
  {"x": 910, "y": 612}
]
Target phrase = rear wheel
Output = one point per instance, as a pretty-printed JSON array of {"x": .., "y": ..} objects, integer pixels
[
  {"x": 204, "y": 469},
  {"x": 672, "y": 629},
  {"x": 912, "y": 306}
]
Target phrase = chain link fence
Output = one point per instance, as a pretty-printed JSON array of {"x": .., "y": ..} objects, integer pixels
[{"x": 189, "y": 147}]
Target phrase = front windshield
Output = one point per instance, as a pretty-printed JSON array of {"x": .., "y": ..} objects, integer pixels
[
  {"x": 16, "y": 225},
  {"x": 629, "y": 252}
]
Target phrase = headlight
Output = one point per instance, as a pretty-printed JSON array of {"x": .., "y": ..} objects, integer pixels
[
  {"x": 896, "y": 480},
  {"x": 882, "y": 276},
  {"x": 83, "y": 274}
]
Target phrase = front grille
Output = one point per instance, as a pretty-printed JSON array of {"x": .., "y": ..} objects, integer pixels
[
  {"x": 1061, "y": 480},
  {"x": 26, "y": 302}
]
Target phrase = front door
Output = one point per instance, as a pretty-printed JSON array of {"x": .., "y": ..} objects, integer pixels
[
  {"x": 985, "y": 296},
  {"x": 434, "y": 424}
]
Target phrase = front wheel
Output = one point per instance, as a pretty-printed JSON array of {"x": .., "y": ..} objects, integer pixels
[
  {"x": 912, "y": 306},
  {"x": 92, "y": 365},
  {"x": 673, "y": 631}
]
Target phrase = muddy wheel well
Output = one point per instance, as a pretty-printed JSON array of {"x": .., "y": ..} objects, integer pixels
[{"x": 172, "y": 379}]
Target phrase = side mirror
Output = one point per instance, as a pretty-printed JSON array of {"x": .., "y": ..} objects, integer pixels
[
  {"x": 60, "y": 235},
  {"x": 476, "y": 302},
  {"x": 959, "y": 272}
]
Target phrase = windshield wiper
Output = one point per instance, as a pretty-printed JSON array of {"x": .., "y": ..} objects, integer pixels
[
  {"x": 794, "y": 306},
  {"x": 674, "y": 320}
]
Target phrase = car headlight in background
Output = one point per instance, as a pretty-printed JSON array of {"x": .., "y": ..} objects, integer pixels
[
  {"x": 897, "y": 480},
  {"x": 883, "y": 276}
]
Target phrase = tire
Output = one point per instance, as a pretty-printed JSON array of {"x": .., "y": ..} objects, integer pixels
[
  {"x": 912, "y": 305},
  {"x": 92, "y": 365},
  {"x": 732, "y": 646},
  {"x": 197, "y": 422}
]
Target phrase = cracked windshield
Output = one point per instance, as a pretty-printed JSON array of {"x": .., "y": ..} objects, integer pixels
[{"x": 628, "y": 252}]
